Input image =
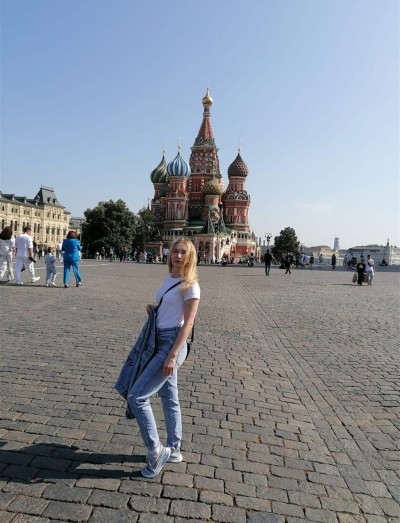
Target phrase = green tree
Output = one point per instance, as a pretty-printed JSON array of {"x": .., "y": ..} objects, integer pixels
[
  {"x": 286, "y": 242},
  {"x": 146, "y": 230},
  {"x": 109, "y": 224}
]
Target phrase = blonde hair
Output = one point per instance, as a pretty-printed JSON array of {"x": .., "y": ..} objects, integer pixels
[{"x": 189, "y": 266}]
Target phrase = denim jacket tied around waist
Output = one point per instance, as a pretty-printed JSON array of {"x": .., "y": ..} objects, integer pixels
[{"x": 139, "y": 356}]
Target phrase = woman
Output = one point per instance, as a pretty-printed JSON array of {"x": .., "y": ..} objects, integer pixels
[
  {"x": 71, "y": 249},
  {"x": 7, "y": 248},
  {"x": 360, "y": 271},
  {"x": 178, "y": 300}
]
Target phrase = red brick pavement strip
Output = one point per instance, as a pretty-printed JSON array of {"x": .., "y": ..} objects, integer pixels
[{"x": 290, "y": 400}]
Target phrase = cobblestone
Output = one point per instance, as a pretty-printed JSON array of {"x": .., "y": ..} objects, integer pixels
[{"x": 290, "y": 401}]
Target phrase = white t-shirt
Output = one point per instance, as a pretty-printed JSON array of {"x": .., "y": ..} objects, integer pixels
[
  {"x": 170, "y": 314},
  {"x": 23, "y": 243},
  {"x": 369, "y": 265}
]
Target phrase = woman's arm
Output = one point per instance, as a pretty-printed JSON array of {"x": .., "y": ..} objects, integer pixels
[{"x": 189, "y": 313}]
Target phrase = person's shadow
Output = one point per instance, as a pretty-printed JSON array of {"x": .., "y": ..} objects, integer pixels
[{"x": 48, "y": 461}]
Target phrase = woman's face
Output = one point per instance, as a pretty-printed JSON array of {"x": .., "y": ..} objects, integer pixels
[{"x": 178, "y": 255}]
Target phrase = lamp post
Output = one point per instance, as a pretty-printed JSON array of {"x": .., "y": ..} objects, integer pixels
[{"x": 268, "y": 237}]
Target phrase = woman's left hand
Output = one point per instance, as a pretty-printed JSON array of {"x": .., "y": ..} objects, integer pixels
[{"x": 169, "y": 366}]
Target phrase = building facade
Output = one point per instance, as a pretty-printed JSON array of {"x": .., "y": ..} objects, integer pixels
[
  {"x": 388, "y": 254},
  {"x": 190, "y": 199},
  {"x": 48, "y": 219}
]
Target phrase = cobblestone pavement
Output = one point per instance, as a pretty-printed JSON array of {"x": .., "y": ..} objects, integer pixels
[{"x": 290, "y": 400}]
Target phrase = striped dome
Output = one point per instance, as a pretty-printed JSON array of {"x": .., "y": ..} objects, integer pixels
[
  {"x": 159, "y": 174},
  {"x": 178, "y": 166}
]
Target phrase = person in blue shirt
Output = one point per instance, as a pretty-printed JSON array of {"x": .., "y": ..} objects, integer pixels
[{"x": 71, "y": 249}]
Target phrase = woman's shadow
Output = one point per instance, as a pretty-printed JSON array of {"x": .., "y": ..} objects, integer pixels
[{"x": 47, "y": 461}]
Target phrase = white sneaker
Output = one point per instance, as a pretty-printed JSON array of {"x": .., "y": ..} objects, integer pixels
[
  {"x": 176, "y": 456},
  {"x": 18, "y": 283},
  {"x": 155, "y": 465},
  {"x": 33, "y": 280},
  {"x": 52, "y": 284}
]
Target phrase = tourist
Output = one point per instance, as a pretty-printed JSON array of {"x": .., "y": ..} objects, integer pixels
[
  {"x": 311, "y": 261},
  {"x": 71, "y": 249},
  {"x": 24, "y": 250},
  {"x": 333, "y": 261},
  {"x": 360, "y": 268},
  {"x": 51, "y": 272},
  {"x": 58, "y": 251},
  {"x": 178, "y": 300},
  {"x": 370, "y": 269},
  {"x": 165, "y": 252},
  {"x": 287, "y": 263},
  {"x": 267, "y": 261},
  {"x": 7, "y": 247}
]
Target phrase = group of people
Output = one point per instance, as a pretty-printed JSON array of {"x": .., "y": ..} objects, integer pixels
[
  {"x": 365, "y": 270},
  {"x": 24, "y": 250}
]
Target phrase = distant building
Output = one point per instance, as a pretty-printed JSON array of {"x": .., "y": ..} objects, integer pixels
[
  {"x": 316, "y": 250},
  {"x": 48, "y": 219},
  {"x": 387, "y": 253},
  {"x": 75, "y": 224},
  {"x": 190, "y": 199},
  {"x": 336, "y": 246}
]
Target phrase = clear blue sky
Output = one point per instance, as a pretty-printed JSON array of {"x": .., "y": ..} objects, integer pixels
[{"x": 91, "y": 90}]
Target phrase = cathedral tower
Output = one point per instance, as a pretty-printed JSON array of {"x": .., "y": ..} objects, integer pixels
[
  {"x": 203, "y": 159},
  {"x": 236, "y": 201},
  {"x": 176, "y": 198}
]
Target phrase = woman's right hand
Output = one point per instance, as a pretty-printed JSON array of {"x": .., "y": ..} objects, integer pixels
[{"x": 148, "y": 308}]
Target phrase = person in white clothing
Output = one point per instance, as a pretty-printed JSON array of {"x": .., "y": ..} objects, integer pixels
[
  {"x": 7, "y": 247},
  {"x": 24, "y": 249},
  {"x": 51, "y": 272},
  {"x": 370, "y": 269}
]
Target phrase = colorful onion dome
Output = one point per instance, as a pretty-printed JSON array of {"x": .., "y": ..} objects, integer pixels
[
  {"x": 238, "y": 167},
  {"x": 207, "y": 100},
  {"x": 178, "y": 166},
  {"x": 159, "y": 174},
  {"x": 213, "y": 187}
]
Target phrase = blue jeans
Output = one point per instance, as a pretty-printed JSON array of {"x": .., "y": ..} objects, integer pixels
[
  {"x": 75, "y": 267},
  {"x": 151, "y": 381}
]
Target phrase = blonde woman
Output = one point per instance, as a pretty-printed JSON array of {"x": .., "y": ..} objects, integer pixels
[{"x": 177, "y": 303}]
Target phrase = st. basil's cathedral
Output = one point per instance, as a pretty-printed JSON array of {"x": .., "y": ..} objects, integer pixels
[{"x": 190, "y": 200}]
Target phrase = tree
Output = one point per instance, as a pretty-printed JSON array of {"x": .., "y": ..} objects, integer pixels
[
  {"x": 146, "y": 230},
  {"x": 286, "y": 242},
  {"x": 109, "y": 224}
]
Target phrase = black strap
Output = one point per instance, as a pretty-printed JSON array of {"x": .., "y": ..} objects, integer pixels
[
  {"x": 192, "y": 334},
  {"x": 175, "y": 285}
]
